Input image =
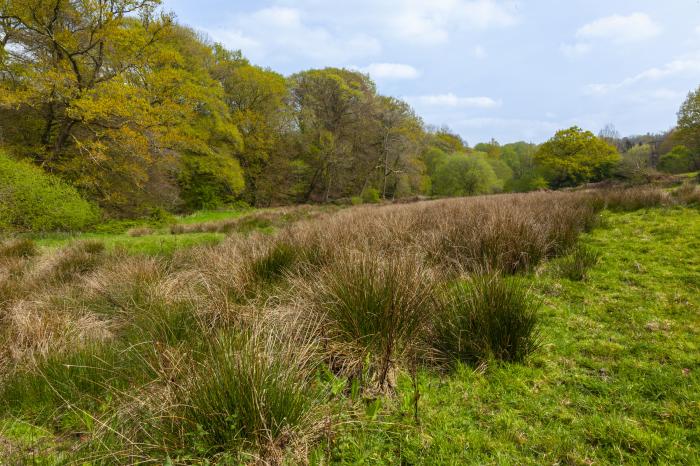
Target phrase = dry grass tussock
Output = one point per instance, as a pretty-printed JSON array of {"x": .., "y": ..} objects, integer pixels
[{"x": 234, "y": 333}]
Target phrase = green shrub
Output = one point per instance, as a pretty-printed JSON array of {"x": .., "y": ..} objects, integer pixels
[
  {"x": 32, "y": 200},
  {"x": 371, "y": 196},
  {"x": 356, "y": 200},
  {"x": 487, "y": 316},
  {"x": 575, "y": 266}
]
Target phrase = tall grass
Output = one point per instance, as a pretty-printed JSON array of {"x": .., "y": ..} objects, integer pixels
[
  {"x": 629, "y": 199},
  {"x": 575, "y": 266},
  {"x": 373, "y": 310},
  {"x": 18, "y": 248},
  {"x": 486, "y": 316},
  {"x": 253, "y": 389}
]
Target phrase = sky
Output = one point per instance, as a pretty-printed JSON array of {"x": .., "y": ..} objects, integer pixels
[{"x": 509, "y": 70}]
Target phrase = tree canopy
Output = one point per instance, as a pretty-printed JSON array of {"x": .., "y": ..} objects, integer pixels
[{"x": 574, "y": 156}]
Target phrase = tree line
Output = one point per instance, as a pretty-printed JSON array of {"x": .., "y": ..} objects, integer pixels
[{"x": 138, "y": 112}]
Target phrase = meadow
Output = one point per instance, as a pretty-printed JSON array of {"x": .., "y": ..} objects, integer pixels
[{"x": 540, "y": 328}]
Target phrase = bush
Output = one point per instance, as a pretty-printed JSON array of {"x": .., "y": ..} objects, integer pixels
[
  {"x": 371, "y": 196},
  {"x": 575, "y": 266},
  {"x": 488, "y": 316},
  {"x": 373, "y": 310},
  {"x": 32, "y": 200}
]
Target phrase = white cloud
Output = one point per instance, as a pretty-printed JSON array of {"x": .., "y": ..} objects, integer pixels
[
  {"x": 454, "y": 101},
  {"x": 283, "y": 33},
  {"x": 676, "y": 67},
  {"x": 389, "y": 71},
  {"x": 697, "y": 30},
  {"x": 430, "y": 22},
  {"x": 575, "y": 50},
  {"x": 480, "y": 52},
  {"x": 621, "y": 29}
]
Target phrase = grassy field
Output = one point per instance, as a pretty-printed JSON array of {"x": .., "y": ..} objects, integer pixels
[
  {"x": 313, "y": 344},
  {"x": 616, "y": 381},
  {"x": 159, "y": 241}
]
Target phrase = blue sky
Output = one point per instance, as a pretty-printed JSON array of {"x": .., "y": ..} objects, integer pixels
[{"x": 512, "y": 70}]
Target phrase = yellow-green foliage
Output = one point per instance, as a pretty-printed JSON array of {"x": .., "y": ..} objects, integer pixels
[
  {"x": 574, "y": 156},
  {"x": 32, "y": 200}
]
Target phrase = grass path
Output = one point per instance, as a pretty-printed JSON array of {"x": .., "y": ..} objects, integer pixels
[{"x": 617, "y": 380}]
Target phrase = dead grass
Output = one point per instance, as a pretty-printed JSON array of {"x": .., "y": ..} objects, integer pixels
[{"x": 140, "y": 232}]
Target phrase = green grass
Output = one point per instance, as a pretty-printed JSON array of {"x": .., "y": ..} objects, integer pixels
[
  {"x": 156, "y": 244},
  {"x": 617, "y": 380},
  {"x": 203, "y": 216},
  {"x": 115, "y": 235}
]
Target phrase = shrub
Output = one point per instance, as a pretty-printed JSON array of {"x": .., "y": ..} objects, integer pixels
[
  {"x": 575, "y": 266},
  {"x": 373, "y": 309},
  {"x": 487, "y": 316},
  {"x": 371, "y": 196},
  {"x": 32, "y": 200}
]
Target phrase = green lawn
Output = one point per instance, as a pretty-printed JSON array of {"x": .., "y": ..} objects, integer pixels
[{"x": 616, "y": 381}]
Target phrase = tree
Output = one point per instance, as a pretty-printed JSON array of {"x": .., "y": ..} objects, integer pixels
[
  {"x": 635, "y": 164},
  {"x": 400, "y": 132},
  {"x": 447, "y": 141},
  {"x": 689, "y": 121},
  {"x": 465, "y": 175},
  {"x": 257, "y": 102},
  {"x": 330, "y": 108},
  {"x": 574, "y": 156},
  {"x": 679, "y": 160},
  {"x": 115, "y": 99}
]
